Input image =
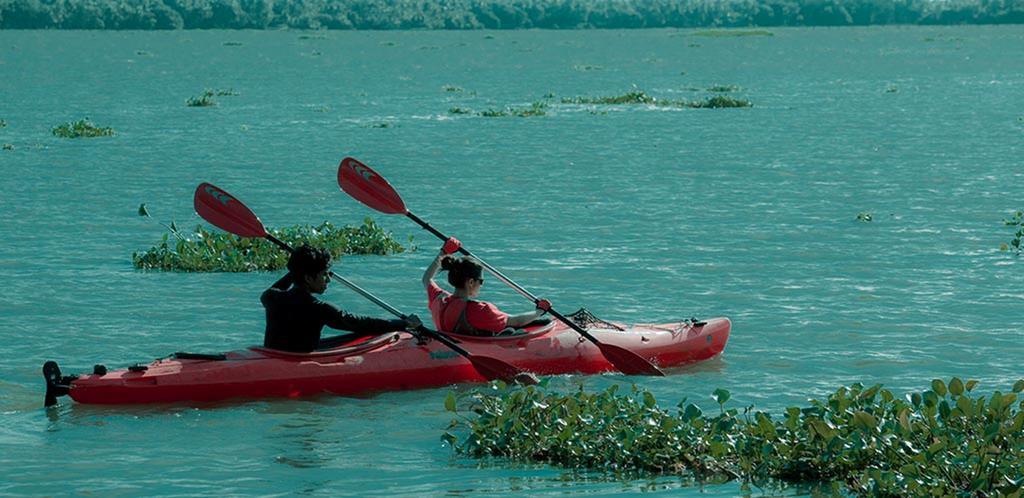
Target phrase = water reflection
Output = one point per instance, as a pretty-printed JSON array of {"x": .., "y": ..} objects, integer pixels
[{"x": 303, "y": 440}]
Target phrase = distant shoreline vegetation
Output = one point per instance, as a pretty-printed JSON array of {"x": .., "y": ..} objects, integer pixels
[{"x": 495, "y": 14}]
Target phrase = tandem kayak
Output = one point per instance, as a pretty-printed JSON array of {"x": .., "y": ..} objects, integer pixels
[{"x": 390, "y": 362}]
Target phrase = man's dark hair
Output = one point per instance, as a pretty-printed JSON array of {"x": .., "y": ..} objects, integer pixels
[{"x": 309, "y": 261}]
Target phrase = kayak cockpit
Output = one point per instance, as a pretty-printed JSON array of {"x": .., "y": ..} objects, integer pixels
[{"x": 358, "y": 346}]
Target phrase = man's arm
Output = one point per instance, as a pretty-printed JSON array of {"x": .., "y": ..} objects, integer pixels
[{"x": 362, "y": 325}]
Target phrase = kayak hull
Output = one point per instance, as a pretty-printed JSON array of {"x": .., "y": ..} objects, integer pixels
[{"x": 393, "y": 362}]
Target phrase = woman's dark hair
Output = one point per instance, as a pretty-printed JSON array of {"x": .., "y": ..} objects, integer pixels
[
  {"x": 309, "y": 261},
  {"x": 460, "y": 269}
]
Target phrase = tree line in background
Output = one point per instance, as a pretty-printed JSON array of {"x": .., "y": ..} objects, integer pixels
[{"x": 494, "y": 14}]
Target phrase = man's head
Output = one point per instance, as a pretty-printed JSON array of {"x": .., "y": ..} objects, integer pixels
[{"x": 310, "y": 268}]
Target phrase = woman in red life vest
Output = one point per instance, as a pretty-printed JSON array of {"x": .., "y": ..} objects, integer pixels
[{"x": 458, "y": 312}]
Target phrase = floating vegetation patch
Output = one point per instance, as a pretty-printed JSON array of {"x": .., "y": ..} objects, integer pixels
[
  {"x": 143, "y": 53},
  {"x": 312, "y": 37},
  {"x": 229, "y": 92},
  {"x": 82, "y": 128},
  {"x": 3, "y": 123},
  {"x": 729, "y": 33},
  {"x": 587, "y": 67},
  {"x": 1016, "y": 223},
  {"x": 535, "y": 109},
  {"x": 232, "y": 44},
  {"x": 723, "y": 88},
  {"x": 944, "y": 441},
  {"x": 203, "y": 100},
  {"x": 719, "y": 102},
  {"x": 639, "y": 97},
  {"x": 8, "y": 146},
  {"x": 204, "y": 251},
  {"x": 459, "y": 110},
  {"x": 452, "y": 88}
]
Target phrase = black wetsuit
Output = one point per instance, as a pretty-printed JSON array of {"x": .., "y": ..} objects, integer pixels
[{"x": 295, "y": 319}]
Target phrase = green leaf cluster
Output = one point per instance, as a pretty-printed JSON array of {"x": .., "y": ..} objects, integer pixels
[
  {"x": 1017, "y": 223},
  {"x": 82, "y": 128},
  {"x": 205, "y": 251},
  {"x": 944, "y": 441}
]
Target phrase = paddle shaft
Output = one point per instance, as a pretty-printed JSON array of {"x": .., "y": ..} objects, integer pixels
[
  {"x": 508, "y": 281},
  {"x": 379, "y": 302}
]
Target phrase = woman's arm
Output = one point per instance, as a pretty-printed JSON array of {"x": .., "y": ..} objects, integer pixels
[
  {"x": 516, "y": 321},
  {"x": 428, "y": 275}
]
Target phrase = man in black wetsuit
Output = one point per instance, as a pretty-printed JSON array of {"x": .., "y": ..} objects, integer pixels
[{"x": 295, "y": 316}]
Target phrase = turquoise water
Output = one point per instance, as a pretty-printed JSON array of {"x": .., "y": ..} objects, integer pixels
[{"x": 638, "y": 213}]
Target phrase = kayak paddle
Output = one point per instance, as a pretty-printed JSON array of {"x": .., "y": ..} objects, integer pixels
[
  {"x": 228, "y": 213},
  {"x": 367, "y": 186}
]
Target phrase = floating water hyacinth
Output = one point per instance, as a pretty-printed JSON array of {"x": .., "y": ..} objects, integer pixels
[
  {"x": 535, "y": 109},
  {"x": 943, "y": 441},
  {"x": 640, "y": 97},
  {"x": 82, "y": 128},
  {"x": 1016, "y": 223},
  {"x": 205, "y": 99},
  {"x": 205, "y": 251}
]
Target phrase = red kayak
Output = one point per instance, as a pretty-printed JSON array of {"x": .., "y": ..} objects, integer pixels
[{"x": 391, "y": 362}]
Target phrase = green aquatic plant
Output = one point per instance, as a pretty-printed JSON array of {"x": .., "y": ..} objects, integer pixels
[
  {"x": 535, "y": 109},
  {"x": 943, "y": 441},
  {"x": 719, "y": 102},
  {"x": 3, "y": 123},
  {"x": 723, "y": 88},
  {"x": 203, "y": 100},
  {"x": 82, "y": 128},
  {"x": 230, "y": 92},
  {"x": 452, "y": 88},
  {"x": 1016, "y": 223},
  {"x": 459, "y": 110},
  {"x": 640, "y": 97},
  {"x": 8, "y": 146},
  {"x": 634, "y": 97},
  {"x": 205, "y": 251},
  {"x": 729, "y": 33}
]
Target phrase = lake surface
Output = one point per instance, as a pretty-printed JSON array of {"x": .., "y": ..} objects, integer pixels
[{"x": 639, "y": 213}]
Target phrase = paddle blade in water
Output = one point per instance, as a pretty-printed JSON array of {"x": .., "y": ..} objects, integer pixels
[
  {"x": 366, "y": 186},
  {"x": 222, "y": 210},
  {"x": 628, "y": 362},
  {"x": 495, "y": 369}
]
